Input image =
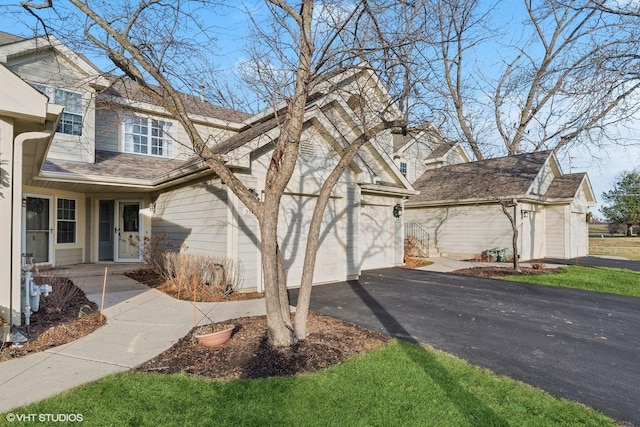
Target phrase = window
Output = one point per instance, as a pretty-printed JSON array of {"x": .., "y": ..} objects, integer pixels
[
  {"x": 71, "y": 120},
  {"x": 147, "y": 136},
  {"x": 66, "y": 226},
  {"x": 403, "y": 168}
]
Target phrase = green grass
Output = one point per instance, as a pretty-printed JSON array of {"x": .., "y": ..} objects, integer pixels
[
  {"x": 599, "y": 279},
  {"x": 398, "y": 384},
  {"x": 627, "y": 247}
]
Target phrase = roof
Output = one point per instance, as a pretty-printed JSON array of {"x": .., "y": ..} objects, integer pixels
[
  {"x": 110, "y": 164},
  {"x": 6, "y": 38},
  {"x": 486, "y": 179},
  {"x": 129, "y": 89},
  {"x": 566, "y": 186},
  {"x": 441, "y": 150}
]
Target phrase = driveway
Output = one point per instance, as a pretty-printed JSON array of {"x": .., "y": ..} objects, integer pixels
[{"x": 580, "y": 345}]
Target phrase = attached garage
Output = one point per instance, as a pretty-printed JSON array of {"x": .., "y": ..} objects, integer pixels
[{"x": 293, "y": 229}]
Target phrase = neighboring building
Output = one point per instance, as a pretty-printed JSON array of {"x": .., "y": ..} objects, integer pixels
[
  {"x": 459, "y": 206},
  {"x": 119, "y": 168},
  {"x": 419, "y": 149}
]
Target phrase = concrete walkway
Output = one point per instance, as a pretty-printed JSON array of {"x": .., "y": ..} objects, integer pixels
[{"x": 141, "y": 323}]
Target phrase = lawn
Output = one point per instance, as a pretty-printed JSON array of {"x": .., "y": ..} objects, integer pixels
[
  {"x": 600, "y": 279},
  {"x": 398, "y": 384},
  {"x": 627, "y": 247}
]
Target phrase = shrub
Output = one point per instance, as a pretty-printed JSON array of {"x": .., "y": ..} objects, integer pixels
[
  {"x": 62, "y": 293},
  {"x": 187, "y": 273},
  {"x": 153, "y": 250}
]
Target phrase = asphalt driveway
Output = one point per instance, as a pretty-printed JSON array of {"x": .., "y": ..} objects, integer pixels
[
  {"x": 595, "y": 261},
  {"x": 584, "y": 346}
]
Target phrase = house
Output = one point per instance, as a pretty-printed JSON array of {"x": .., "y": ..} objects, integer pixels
[
  {"x": 418, "y": 149},
  {"x": 460, "y": 207},
  {"x": 113, "y": 167}
]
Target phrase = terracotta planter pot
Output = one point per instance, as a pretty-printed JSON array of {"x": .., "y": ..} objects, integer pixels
[{"x": 215, "y": 339}]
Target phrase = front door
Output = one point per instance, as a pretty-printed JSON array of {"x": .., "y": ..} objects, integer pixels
[
  {"x": 127, "y": 231},
  {"x": 38, "y": 228},
  {"x": 106, "y": 230}
]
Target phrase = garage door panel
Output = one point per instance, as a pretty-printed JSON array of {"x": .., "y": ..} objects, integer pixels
[
  {"x": 293, "y": 230},
  {"x": 376, "y": 237}
]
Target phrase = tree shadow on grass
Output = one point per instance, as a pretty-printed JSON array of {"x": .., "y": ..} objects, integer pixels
[{"x": 469, "y": 406}]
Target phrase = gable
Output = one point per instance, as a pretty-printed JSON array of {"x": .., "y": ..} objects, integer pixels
[{"x": 19, "y": 100}]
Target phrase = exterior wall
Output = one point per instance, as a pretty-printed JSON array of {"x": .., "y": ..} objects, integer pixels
[
  {"x": 9, "y": 250},
  {"x": 110, "y": 130},
  {"x": 415, "y": 155},
  {"x": 556, "y": 231},
  {"x": 194, "y": 216},
  {"x": 546, "y": 175},
  {"x": 65, "y": 253},
  {"x": 380, "y": 234},
  {"x": 579, "y": 227},
  {"x": 243, "y": 241},
  {"x": 531, "y": 231},
  {"x": 68, "y": 256},
  {"x": 464, "y": 231},
  {"x": 55, "y": 71}
]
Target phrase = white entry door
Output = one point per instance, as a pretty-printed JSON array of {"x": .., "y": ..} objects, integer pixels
[{"x": 128, "y": 233}]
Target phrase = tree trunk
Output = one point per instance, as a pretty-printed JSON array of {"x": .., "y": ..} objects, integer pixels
[
  {"x": 514, "y": 229},
  {"x": 279, "y": 335},
  {"x": 629, "y": 230}
]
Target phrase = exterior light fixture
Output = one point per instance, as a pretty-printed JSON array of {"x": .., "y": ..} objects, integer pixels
[
  {"x": 525, "y": 214},
  {"x": 397, "y": 210}
]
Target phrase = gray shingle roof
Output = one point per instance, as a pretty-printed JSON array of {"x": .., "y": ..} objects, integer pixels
[
  {"x": 128, "y": 89},
  {"x": 6, "y": 38},
  {"x": 485, "y": 179},
  {"x": 442, "y": 149},
  {"x": 110, "y": 164},
  {"x": 565, "y": 186}
]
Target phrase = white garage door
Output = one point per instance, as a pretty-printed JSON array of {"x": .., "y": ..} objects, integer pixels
[
  {"x": 293, "y": 229},
  {"x": 376, "y": 237}
]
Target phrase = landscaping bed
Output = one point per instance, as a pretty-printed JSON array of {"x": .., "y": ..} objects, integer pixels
[
  {"x": 64, "y": 316},
  {"x": 330, "y": 341}
]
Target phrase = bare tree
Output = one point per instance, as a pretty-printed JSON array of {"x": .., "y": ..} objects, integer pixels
[
  {"x": 566, "y": 78},
  {"x": 161, "y": 45}
]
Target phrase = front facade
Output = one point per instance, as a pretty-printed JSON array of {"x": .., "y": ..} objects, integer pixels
[{"x": 114, "y": 168}]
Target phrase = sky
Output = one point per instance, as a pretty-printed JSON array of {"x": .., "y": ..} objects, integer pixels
[{"x": 603, "y": 164}]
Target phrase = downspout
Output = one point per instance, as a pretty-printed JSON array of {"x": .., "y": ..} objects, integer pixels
[{"x": 18, "y": 144}]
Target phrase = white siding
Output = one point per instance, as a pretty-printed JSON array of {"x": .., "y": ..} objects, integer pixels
[
  {"x": 195, "y": 216},
  {"x": 55, "y": 71},
  {"x": 68, "y": 256},
  {"x": 376, "y": 237},
  {"x": 556, "y": 231},
  {"x": 464, "y": 231},
  {"x": 331, "y": 261}
]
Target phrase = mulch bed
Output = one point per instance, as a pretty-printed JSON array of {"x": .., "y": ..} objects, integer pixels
[
  {"x": 247, "y": 355},
  {"x": 504, "y": 271},
  {"x": 204, "y": 294},
  {"x": 52, "y": 326}
]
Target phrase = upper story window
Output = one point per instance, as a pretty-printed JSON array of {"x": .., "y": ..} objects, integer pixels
[
  {"x": 71, "y": 120},
  {"x": 403, "y": 168},
  {"x": 147, "y": 136}
]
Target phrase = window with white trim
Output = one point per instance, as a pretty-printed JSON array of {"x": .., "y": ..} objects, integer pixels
[
  {"x": 403, "y": 168},
  {"x": 143, "y": 135},
  {"x": 66, "y": 221},
  {"x": 71, "y": 120}
]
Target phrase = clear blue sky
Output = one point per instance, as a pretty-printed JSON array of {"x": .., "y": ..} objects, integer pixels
[{"x": 603, "y": 165}]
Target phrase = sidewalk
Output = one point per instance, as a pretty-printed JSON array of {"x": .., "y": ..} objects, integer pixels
[{"x": 141, "y": 323}]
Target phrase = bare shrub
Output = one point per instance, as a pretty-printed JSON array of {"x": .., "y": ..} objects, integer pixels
[
  {"x": 153, "y": 249},
  {"x": 411, "y": 246},
  {"x": 62, "y": 293},
  {"x": 187, "y": 273},
  {"x": 537, "y": 266}
]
